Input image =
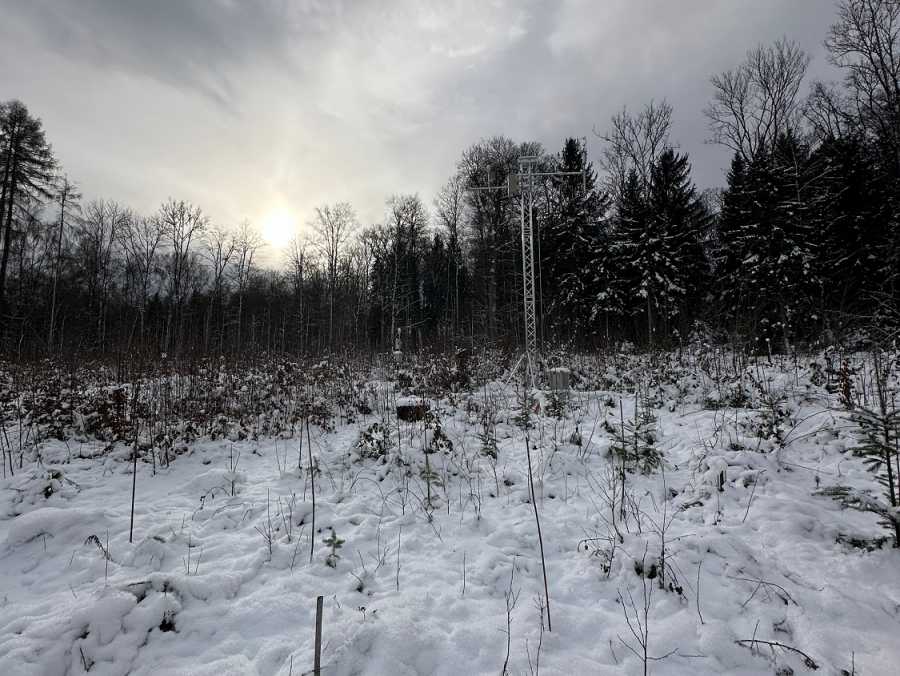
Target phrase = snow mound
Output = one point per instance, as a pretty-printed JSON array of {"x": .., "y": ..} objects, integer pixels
[{"x": 64, "y": 525}]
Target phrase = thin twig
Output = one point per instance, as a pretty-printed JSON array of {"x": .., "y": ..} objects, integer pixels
[{"x": 752, "y": 642}]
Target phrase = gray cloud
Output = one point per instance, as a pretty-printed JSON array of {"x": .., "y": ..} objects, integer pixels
[
  {"x": 247, "y": 105},
  {"x": 194, "y": 44}
]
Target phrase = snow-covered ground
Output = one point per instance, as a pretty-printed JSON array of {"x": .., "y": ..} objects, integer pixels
[{"x": 419, "y": 590}]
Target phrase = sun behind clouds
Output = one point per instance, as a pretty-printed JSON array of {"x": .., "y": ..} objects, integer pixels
[{"x": 278, "y": 227}]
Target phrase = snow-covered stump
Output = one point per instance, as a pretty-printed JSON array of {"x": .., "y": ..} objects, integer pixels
[{"x": 410, "y": 409}]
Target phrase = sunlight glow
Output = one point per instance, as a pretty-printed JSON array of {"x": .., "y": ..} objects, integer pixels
[{"x": 278, "y": 227}]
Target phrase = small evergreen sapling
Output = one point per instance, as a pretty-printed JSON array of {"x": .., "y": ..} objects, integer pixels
[
  {"x": 556, "y": 406},
  {"x": 647, "y": 456},
  {"x": 373, "y": 442},
  {"x": 634, "y": 443},
  {"x": 878, "y": 435},
  {"x": 335, "y": 543},
  {"x": 438, "y": 441},
  {"x": 619, "y": 449},
  {"x": 488, "y": 440}
]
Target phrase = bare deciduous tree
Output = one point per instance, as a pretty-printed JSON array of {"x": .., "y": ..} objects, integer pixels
[
  {"x": 67, "y": 196},
  {"x": 865, "y": 43},
  {"x": 97, "y": 234},
  {"x": 181, "y": 224},
  {"x": 247, "y": 242},
  {"x": 219, "y": 248},
  {"x": 759, "y": 99},
  {"x": 635, "y": 142},
  {"x": 826, "y": 111},
  {"x": 140, "y": 240},
  {"x": 406, "y": 221},
  {"x": 333, "y": 226},
  {"x": 449, "y": 207},
  {"x": 360, "y": 260},
  {"x": 298, "y": 260}
]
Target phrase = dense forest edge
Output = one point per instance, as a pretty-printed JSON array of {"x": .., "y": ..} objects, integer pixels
[{"x": 801, "y": 247}]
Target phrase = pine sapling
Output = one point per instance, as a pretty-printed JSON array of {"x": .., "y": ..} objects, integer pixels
[
  {"x": 438, "y": 442},
  {"x": 488, "y": 439},
  {"x": 335, "y": 543},
  {"x": 645, "y": 454},
  {"x": 878, "y": 435},
  {"x": 620, "y": 449}
]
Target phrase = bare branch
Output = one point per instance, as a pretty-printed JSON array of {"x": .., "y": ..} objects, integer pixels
[{"x": 755, "y": 102}]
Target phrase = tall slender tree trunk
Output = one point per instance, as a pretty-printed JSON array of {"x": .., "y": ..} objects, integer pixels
[
  {"x": 300, "y": 339},
  {"x": 393, "y": 337},
  {"x": 62, "y": 215},
  {"x": 145, "y": 284},
  {"x": 492, "y": 301},
  {"x": 455, "y": 320},
  {"x": 331, "y": 314},
  {"x": 240, "y": 314},
  {"x": 167, "y": 339},
  {"x": 207, "y": 323},
  {"x": 5, "y": 192},
  {"x": 7, "y": 237}
]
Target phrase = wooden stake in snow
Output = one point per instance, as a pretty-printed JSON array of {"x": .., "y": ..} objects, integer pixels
[
  {"x": 537, "y": 521},
  {"x": 312, "y": 485},
  {"x": 317, "y": 660},
  {"x": 133, "y": 483},
  {"x": 524, "y": 420}
]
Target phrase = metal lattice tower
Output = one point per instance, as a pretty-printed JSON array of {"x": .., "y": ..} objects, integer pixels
[
  {"x": 526, "y": 180},
  {"x": 526, "y": 177}
]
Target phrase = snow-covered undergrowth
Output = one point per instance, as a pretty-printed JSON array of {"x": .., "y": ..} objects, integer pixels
[{"x": 687, "y": 508}]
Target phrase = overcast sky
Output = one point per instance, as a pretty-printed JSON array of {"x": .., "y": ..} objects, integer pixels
[{"x": 245, "y": 106}]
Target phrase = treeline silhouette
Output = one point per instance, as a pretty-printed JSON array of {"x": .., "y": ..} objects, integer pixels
[{"x": 802, "y": 243}]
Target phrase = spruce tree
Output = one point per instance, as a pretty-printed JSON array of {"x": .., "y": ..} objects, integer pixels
[
  {"x": 633, "y": 253},
  {"x": 26, "y": 173},
  {"x": 770, "y": 270},
  {"x": 851, "y": 229},
  {"x": 796, "y": 227},
  {"x": 608, "y": 293},
  {"x": 569, "y": 241},
  {"x": 680, "y": 217},
  {"x": 733, "y": 220},
  {"x": 436, "y": 285},
  {"x": 658, "y": 243}
]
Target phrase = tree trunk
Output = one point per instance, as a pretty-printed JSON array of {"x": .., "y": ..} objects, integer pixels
[
  {"x": 7, "y": 238},
  {"x": 62, "y": 214}
]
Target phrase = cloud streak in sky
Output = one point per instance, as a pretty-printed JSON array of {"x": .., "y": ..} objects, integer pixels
[{"x": 241, "y": 105}]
